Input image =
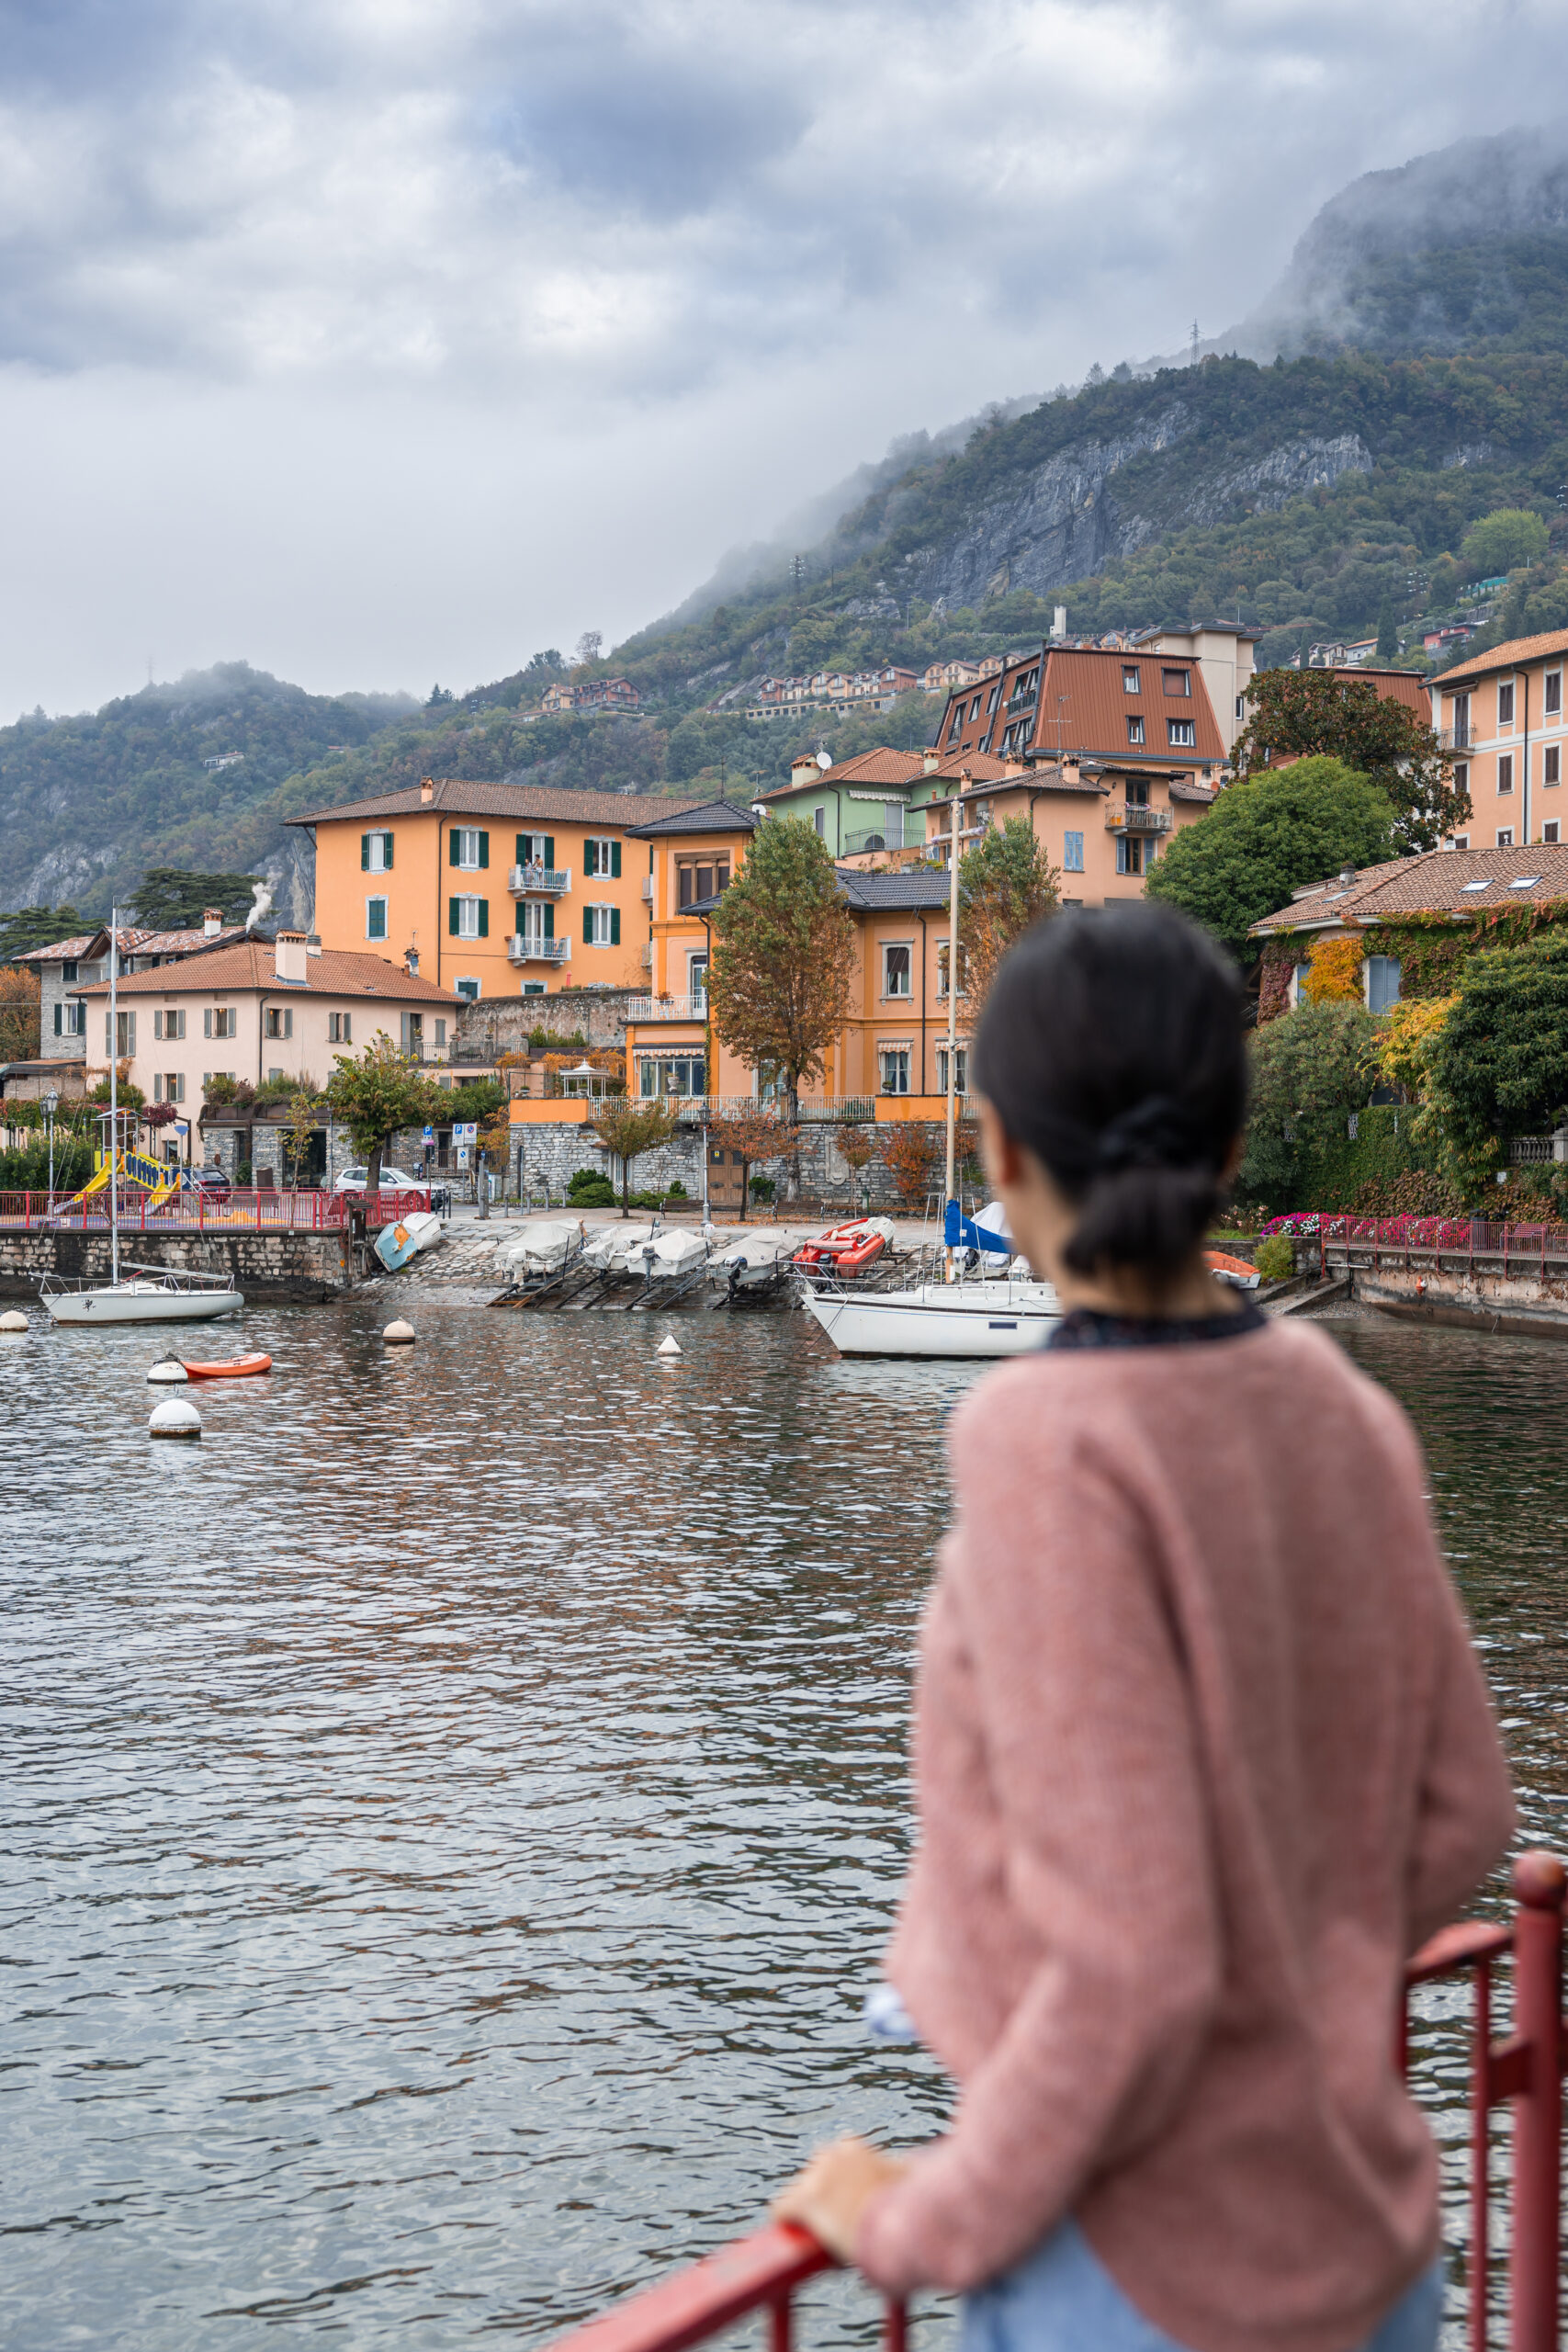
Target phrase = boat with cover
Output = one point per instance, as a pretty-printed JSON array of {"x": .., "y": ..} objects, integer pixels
[
  {"x": 543, "y": 1247},
  {"x": 753, "y": 1263},
  {"x": 673, "y": 1253},
  {"x": 618, "y": 1250},
  {"x": 1238, "y": 1272}
]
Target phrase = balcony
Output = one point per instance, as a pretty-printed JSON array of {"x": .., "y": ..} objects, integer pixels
[
  {"x": 1459, "y": 739},
  {"x": 548, "y": 881},
  {"x": 879, "y": 838},
  {"x": 531, "y": 947},
  {"x": 667, "y": 1007},
  {"x": 1133, "y": 817}
]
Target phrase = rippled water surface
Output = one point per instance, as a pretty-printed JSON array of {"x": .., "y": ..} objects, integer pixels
[{"x": 449, "y": 1814}]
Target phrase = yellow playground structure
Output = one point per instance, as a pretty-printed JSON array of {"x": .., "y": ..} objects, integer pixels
[{"x": 160, "y": 1179}]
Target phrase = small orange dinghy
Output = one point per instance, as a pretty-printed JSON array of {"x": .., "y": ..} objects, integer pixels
[
  {"x": 233, "y": 1368},
  {"x": 1230, "y": 1270}
]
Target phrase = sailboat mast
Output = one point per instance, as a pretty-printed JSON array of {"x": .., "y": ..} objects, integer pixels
[
  {"x": 953, "y": 994},
  {"x": 114, "y": 1095}
]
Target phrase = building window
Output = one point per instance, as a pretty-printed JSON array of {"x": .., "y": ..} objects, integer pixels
[
  {"x": 340, "y": 1028},
  {"x": 702, "y": 877},
  {"x": 1505, "y": 772},
  {"x": 468, "y": 989},
  {"x": 220, "y": 1021},
  {"x": 1136, "y": 729},
  {"x": 375, "y": 852},
  {"x": 125, "y": 1035},
  {"x": 697, "y": 983},
  {"x": 1129, "y": 853},
  {"x": 1461, "y": 721},
  {"x": 470, "y": 848},
  {"x": 1241, "y": 706},
  {"x": 169, "y": 1087},
  {"x": 682, "y": 1074},
  {"x": 820, "y": 822},
  {"x": 1182, "y": 732},
  {"x": 533, "y": 987},
  {"x": 896, "y": 964},
  {"x": 468, "y": 918},
  {"x": 1549, "y": 831},
  {"x": 1176, "y": 682},
  {"x": 441, "y": 1032},
  {"x": 169, "y": 1023},
  {"x": 1382, "y": 983},
  {"x": 895, "y": 1065},
  {"x": 1131, "y": 680},
  {"x": 1551, "y": 700},
  {"x": 1505, "y": 837},
  {"x": 375, "y": 918},
  {"x": 67, "y": 974},
  {"x": 1072, "y": 853},
  {"x": 1461, "y": 778},
  {"x": 961, "y": 1070},
  {"x": 70, "y": 1020},
  {"x": 414, "y": 1034},
  {"x": 1462, "y": 841},
  {"x": 1552, "y": 763},
  {"x": 601, "y": 855},
  {"x": 1506, "y": 704},
  {"x": 280, "y": 1021},
  {"x": 601, "y": 927}
]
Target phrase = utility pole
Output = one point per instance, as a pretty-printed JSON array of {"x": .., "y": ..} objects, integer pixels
[{"x": 1194, "y": 342}]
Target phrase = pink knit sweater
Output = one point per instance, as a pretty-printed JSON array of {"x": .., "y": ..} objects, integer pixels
[{"x": 1202, "y": 1753}]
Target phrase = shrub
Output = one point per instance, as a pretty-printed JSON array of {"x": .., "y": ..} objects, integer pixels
[
  {"x": 590, "y": 1188},
  {"x": 762, "y": 1188},
  {"x": 219, "y": 1088},
  {"x": 677, "y": 1190},
  {"x": 1275, "y": 1259}
]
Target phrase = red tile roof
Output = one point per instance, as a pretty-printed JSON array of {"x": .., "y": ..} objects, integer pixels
[
  {"x": 1408, "y": 686},
  {"x": 880, "y": 765},
  {"x": 71, "y": 951},
  {"x": 1085, "y": 707},
  {"x": 550, "y": 803},
  {"x": 332, "y": 972},
  {"x": 1433, "y": 882},
  {"x": 1513, "y": 655}
]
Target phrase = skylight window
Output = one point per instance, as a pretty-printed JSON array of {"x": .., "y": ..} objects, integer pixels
[
  {"x": 1524, "y": 882},
  {"x": 1484, "y": 884}
]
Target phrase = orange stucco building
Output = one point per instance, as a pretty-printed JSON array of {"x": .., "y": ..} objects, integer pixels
[
  {"x": 493, "y": 890},
  {"x": 1501, "y": 716}
]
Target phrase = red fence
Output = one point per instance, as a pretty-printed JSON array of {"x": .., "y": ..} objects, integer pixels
[
  {"x": 761, "y": 2273},
  {"x": 1449, "y": 1244},
  {"x": 266, "y": 1212}
]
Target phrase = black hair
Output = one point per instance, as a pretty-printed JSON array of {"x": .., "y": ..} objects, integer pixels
[{"x": 1112, "y": 1046}]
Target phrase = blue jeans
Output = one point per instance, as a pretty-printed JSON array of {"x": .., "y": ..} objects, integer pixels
[{"x": 1061, "y": 2298}]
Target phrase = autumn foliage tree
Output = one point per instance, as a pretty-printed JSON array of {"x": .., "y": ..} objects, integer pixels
[
  {"x": 629, "y": 1126},
  {"x": 20, "y": 1025},
  {"x": 908, "y": 1154},
  {"x": 376, "y": 1093},
  {"x": 1299, "y": 714},
  {"x": 756, "y": 1137},
  {"x": 783, "y": 958}
]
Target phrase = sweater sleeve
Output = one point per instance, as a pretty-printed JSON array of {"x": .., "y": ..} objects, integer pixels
[{"x": 1090, "y": 1748}]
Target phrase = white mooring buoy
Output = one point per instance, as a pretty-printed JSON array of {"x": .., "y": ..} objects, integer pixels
[
  {"x": 670, "y": 1346},
  {"x": 398, "y": 1334},
  {"x": 175, "y": 1417},
  {"x": 168, "y": 1372},
  {"x": 14, "y": 1321}
]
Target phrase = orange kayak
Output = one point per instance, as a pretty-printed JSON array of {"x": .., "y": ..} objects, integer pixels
[{"x": 234, "y": 1368}]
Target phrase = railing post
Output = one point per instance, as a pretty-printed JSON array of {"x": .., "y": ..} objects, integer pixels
[{"x": 1539, "y": 1881}]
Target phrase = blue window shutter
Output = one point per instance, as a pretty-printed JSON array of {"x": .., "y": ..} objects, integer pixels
[
  {"x": 484, "y": 849},
  {"x": 549, "y": 849},
  {"x": 451, "y": 917},
  {"x": 615, "y": 861},
  {"x": 615, "y": 926},
  {"x": 364, "y": 852},
  {"x": 484, "y": 918},
  {"x": 387, "y": 849},
  {"x": 549, "y": 919}
]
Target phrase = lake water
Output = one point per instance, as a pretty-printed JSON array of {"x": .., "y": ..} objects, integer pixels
[{"x": 449, "y": 1815}]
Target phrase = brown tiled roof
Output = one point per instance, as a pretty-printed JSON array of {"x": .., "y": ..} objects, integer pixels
[
  {"x": 1094, "y": 716},
  {"x": 984, "y": 767},
  {"x": 879, "y": 765},
  {"x": 1512, "y": 655},
  {"x": 184, "y": 943},
  {"x": 549, "y": 803},
  {"x": 1408, "y": 686},
  {"x": 71, "y": 951},
  {"x": 1183, "y": 788},
  {"x": 334, "y": 972},
  {"x": 1430, "y": 883}
]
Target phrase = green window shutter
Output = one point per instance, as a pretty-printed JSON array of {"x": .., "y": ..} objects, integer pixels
[
  {"x": 549, "y": 849},
  {"x": 615, "y": 861},
  {"x": 451, "y": 917},
  {"x": 288, "y": 1021},
  {"x": 522, "y": 849},
  {"x": 549, "y": 919},
  {"x": 615, "y": 926},
  {"x": 484, "y": 849},
  {"x": 364, "y": 852},
  {"x": 484, "y": 918},
  {"x": 59, "y": 1029},
  {"x": 387, "y": 841},
  {"x": 452, "y": 846}
]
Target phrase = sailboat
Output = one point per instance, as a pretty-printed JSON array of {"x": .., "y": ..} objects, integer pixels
[{"x": 155, "y": 1294}]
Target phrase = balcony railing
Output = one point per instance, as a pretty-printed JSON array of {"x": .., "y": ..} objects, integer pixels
[
  {"x": 668, "y": 1008},
  {"x": 532, "y": 947},
  {"x": 1459, "y": 739},
  {"x": 648, "y": 890},
  {"x": 858, "y": 844},
  {"x": 1130, "y": 817},
  {"x": 818, "y": 1110},
  {"x": 547, "y": 880}
]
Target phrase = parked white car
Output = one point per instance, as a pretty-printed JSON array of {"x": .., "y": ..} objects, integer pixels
[{"x": 393, "y": 1180}]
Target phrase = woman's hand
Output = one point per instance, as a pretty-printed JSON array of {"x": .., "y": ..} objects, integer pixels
[{"x": 834, "y": 2190}]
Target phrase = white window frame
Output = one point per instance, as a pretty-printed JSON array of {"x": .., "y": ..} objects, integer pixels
[
  {"x": 1551, "y": 753},
  {"x": 1132, "y": 678},
  {"x": 467, "y": 840},
  {"x": 1071, "y": 841},
  {"x": 468, "y": 914},
  {"x": 599, "y": 913},
  {"x": 598, "y": 856},
  {"x": 1505, "y": 837},
  {"x": 1183, "y": 734},
  {"x": 371, "y": 906},
  {"x": 886, "y": 1054},
  {"x": 1136, "y": 732},
  {"x": 1551, "y": 678},
  {"x": 375, "y": 852},
  {"x": 1505, "y": 693},
  {"x": 895, "y": 947},
  {"x": 961, "y": 1087},
  {"x": 468, "y": 988},
  {"x": 1550, "y": 830},
  {"x": 1505, "y": 765}
]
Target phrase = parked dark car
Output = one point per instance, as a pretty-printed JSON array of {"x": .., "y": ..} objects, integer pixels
[{"x": 212, "y": 1184}]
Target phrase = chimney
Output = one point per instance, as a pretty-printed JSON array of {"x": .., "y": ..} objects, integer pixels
[
  {"x": 290, "y": 951},
  {"x": 426, "y": 790},
  {"x": 933, "y": 760},
  {"x": 1070, "y": 773},
  {"x": 211, "y": 922},
  {"x": 804, "y": 770},
  {"x": 1058, "y": 624},
  {"x": 410, "y": 962}
]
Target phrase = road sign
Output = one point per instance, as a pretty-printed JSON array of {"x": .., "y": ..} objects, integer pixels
[{"x": 429, "y": 1135}]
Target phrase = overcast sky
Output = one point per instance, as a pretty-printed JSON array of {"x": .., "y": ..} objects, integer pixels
[{"x": 379, "y": 342}]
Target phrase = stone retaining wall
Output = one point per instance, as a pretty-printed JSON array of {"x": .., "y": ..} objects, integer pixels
[
  {"x": 553, "y": 1155},
  {"x": 500, "y": 1025},
  {"x": 306, "y": 1267}
]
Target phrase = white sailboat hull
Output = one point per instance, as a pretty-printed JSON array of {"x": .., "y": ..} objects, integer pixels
[
  {"x": 141, "y": 1303},
  {"x": 939, "y": 1320}
]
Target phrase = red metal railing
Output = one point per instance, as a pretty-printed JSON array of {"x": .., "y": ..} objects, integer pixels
[
  {"x": 762, "y": 2273},
  {"x": 1449, "y": 1244},
  {"x": 269, "y": 1212}
]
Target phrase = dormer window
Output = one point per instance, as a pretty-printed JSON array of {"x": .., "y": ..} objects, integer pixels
[{"x": 1131, "y": 679}]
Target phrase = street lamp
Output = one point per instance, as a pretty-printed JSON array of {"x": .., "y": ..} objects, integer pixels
[{"x": 51, "y": 1105}]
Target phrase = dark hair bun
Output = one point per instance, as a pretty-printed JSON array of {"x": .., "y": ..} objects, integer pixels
[{"x": 1111, "y": 1046}]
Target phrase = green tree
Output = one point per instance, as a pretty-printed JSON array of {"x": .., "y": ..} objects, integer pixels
[
  {"x": 1264, "y": 836},
  {"x": 1309, "y": 1070},
  {"x": 168, "y": 898},
  {"x": 1510, "y": 535},
  {"x": 1005, "y": 883},
  {"x": 1498, "y": 1067},
  {"x": 1388, "y": 635},
  {"x": 376, "y": 1093},
  {"x": 1297, "y": 714},
  {"x": 304, "y": 1118},
  {"x": 628, "y": 1125},
  {"x": 784, "y": 957},
  {"x": 30, "y": 927}
]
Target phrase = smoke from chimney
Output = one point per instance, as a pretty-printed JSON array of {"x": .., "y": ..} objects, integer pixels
[{"x": 259, "y": 907}]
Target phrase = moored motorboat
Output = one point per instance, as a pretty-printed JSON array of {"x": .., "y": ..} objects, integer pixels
[
  {"x": 396, "y": 1244},
  {"x": 675, "y": 1253},
  {"x": 846, "y": 1250},
  {"x": 227, "y": 1368},
  {"x": 618, "y": 1250},
  {"x": 754, "y": 1263},
  {"x": 963, "y": 1318},
  {"x": 155, "y": 1298},
  {"x": 543, "y": 1247}
]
